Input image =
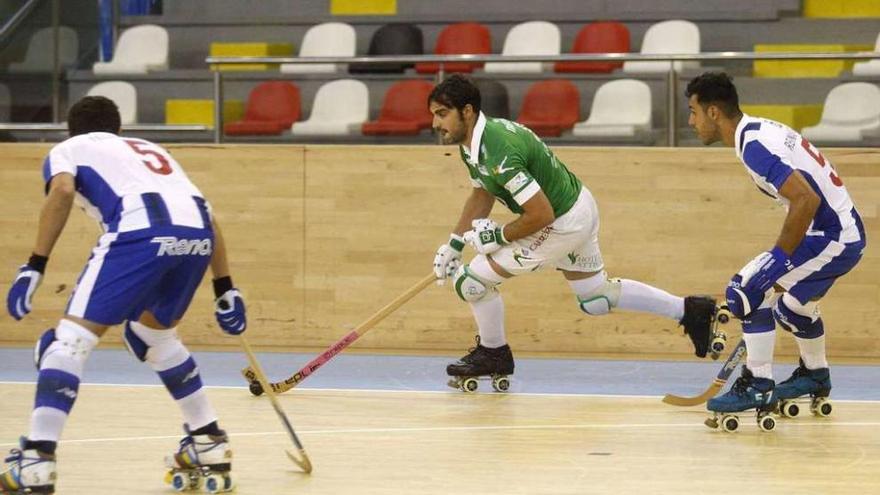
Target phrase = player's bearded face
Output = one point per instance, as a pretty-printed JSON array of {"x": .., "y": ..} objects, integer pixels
[
  {"x": 703, "y": 125},
  {"x": 448, "y": 123}
]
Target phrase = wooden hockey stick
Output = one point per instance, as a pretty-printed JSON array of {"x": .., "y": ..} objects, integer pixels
[
  {"x": 303, "y": 460},
  {"x": 258, "y": 388},
  {"x": 736, "y": 356}
]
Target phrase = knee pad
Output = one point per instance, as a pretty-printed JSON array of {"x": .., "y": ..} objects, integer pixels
[
  {"x": 602, "y": 298},
  {"x": 758, "y": 321},
  {"x": 69, "y": 339},
  {"x": 740, "y": 302},
  {"x": 472, "y": 288},
  {"x": 42, "y": 345},
  {"x": 803, "y": 320},
  {"x": 160, "y": 348}
]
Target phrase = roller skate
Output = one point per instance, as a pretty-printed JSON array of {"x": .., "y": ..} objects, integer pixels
[
  {"x": 747, "y": 393},
  {"x": 702, "y": 320},
  {"x": 202, "y": 462},
  {"x": 805, "y": 382},
  {"x": 28, "y": 471},
  {"x": 482, "y": 362}
]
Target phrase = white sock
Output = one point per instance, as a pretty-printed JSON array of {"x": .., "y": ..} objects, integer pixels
[
  {"x": 759, "y": 353},
  {"x": 813, "y": 352},
  {"x": 490, "y": 320},
  {"x": 636, "y": 296}
]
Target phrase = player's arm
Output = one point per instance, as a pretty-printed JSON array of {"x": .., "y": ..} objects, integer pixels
[
  {"x": 230, "y": 310},
  {"x": 537, "y": 214},
  {"x": 803, "y": 203},
  {"x": 55, "y": 212},
  {"x": 478, "y": 205}
]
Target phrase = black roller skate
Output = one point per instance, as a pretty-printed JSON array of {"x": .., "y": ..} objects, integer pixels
[
  {"x": 815, "y": 384},
  {"x": 748, "y": 392},
  {"x": 701, "y": 321},
  {"x": 28, "y": 471},
  {"x": 202, "y": 462},
  {"x": 480, "y": 362}
]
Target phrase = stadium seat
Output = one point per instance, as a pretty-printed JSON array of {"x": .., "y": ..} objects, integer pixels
[
  {"x": 667, "y": 37},
  {"x": 139, "y": 50},
  {"x": 391, "y": 39},
  {"x": 5, "y": 103},
  {"x": 550, "y": 107},
  {"x": 38, "y": 55},
  {"x": 455, "y": 39},
  {"x": 404, "y": 111},
  {"x": 621, "y": 109},
  {"x": 123, "y": 94},
  {"x": 869, "y": 67},
  {"x": 850, "y": 109},
  {"x": 272, "y": 107},
  {"x": 528, "y": 38},
  {"x": 339, "y": 109},
  {"x": 598, "y": 37},
  {"x": 330, "y": 39},
  {"x": 494, "y": 99}
]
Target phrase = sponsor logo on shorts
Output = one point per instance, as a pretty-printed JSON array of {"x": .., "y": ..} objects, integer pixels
[
  {"x": 520, "y": 255},
  {"x": 172, "y": 246},
  {"x": 542, "y": 237}
]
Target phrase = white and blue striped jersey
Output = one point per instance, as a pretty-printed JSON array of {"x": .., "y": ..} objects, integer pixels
[
  {"x": 771, "y": 151},
  {"x": 128, "y": 184}
]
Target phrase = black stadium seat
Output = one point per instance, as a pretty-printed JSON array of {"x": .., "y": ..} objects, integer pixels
[{"x": 392, "y": 39}]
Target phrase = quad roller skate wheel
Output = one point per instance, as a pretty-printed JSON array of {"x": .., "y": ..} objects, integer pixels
[
  {"x": 821, "y": 407},
  {"x": 256, "y": 388},
  {"x": 729, "y": 423},
  {"x": 723, "y": 316},
  {"x": 712, "y": 422},
  {"x": 766, "y": 423},
  {"x": 789, "y": 409},
  {"x": 501, "y": 384},
  {"x": 217, "y": 483},
  {"x": 469, "y": 385},
  {"x": 182, "y": 481}
]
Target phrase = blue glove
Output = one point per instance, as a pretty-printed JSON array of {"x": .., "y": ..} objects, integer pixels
[
  {"x": 765, "y": 270},
  {"x": 18, "y": 301},
  {"x": 229, "y": 307}
]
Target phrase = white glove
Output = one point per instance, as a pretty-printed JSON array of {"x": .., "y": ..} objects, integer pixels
[
  {"x": 486, "y": 236},
  {"x": 448, "y": 258}
]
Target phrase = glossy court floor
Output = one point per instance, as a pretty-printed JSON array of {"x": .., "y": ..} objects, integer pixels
[{"x": 389, "y": 425}]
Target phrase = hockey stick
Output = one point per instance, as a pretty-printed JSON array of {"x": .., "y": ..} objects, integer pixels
[
  {"x": 257, "y": 388},
  {"x": 303, "y": 460},
  {"x": 736, "y": 355}
]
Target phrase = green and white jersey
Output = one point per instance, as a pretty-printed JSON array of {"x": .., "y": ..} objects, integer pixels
[{"x": 511, "y": 162}]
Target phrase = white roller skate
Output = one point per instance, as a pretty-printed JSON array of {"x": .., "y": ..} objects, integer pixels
[
  {"x": 28, "y": 471},
  {"x": 202, "y": 462}
]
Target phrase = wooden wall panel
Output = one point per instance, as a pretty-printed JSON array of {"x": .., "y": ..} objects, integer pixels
[{"x": 323, "y": 236}]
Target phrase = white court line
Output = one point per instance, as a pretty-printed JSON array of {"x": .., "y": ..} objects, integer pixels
[
  {"x": 435, "y": 429},
  {"x": 440, "y": 392}
]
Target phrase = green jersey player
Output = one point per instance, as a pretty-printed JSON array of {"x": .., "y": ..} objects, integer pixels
[{"x": 557, "y": 227}]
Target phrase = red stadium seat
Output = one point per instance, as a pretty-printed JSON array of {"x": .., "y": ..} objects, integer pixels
[
  {"x": 456, "y": 39},
  {"x": 598, "y": 37},
  {"x": 404, "y": 111},
  {"x": 272, "y": 107},
  {"x": 550, "y": 107}
]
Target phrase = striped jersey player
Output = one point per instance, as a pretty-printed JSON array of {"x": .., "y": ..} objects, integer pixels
[
  {"x": 159, "y": 237},
  {"x": 821, "y": 240},
  {"x": 557, "y": 227}
]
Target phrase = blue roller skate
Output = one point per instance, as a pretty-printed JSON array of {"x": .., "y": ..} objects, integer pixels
[
  {"x": 28, "y": 471},
  {"x": 805, "y": 382},
  {"x": 748, "y": 392}
]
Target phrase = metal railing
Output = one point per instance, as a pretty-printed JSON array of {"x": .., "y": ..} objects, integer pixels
[{"x": 671, "y": 78}]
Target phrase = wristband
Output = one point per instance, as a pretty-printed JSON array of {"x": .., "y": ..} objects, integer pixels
[
  {"x": 38, "y": 262},
  {"x": 221, "y": 285},
  {"x": 456, "y": 242},
  {"x": 501, "y": 237}
]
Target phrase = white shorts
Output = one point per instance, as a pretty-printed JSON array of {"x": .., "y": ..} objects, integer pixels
[{"x": 570, "y": 243}]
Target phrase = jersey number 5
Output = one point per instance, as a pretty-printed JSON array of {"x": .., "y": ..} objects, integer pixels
[
  {"x": 817, "y": 155},
  {"x": 154, "y": 160}
]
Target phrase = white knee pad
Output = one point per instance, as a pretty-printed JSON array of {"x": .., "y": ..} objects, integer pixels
[
  {"x": 602, "y": 295},
  {"x": 68, "y": 341},
  {"x": 471, "y": 287},
  {"x": 162, "y": 349}
]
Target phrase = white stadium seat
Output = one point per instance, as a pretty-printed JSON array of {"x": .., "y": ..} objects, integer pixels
[
  {"x": 669, "y": 37},
  {"x": 869, "y": 67},
  {"x": 38, "y": 56},
  {"x": 123, "y": 94},
  {"x": 330, "y": 39},
  {"x": 850, "y": 110},
  {"x": 621, "y": 109},
  {"x": 528, "y": 38},
  {"x": 139, "y": 50},
  {"x": 339, "y": 109}
]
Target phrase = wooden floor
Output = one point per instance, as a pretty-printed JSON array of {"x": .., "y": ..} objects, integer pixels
[{"x": 368, "y": 442}]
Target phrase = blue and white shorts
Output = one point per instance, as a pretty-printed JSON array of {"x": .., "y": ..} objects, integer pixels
[{"x": 819, "y": 262}]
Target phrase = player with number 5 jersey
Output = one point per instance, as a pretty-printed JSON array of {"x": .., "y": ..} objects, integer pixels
[
  {"x": 821, "y": 240},
  {"x": 159, "y": 238}
]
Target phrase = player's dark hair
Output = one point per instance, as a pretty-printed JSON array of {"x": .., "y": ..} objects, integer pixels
[
  {"x": 456, "y": 91},
  {"x": 715, "y": 88},
  {"x": 93, "y": 114}
]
